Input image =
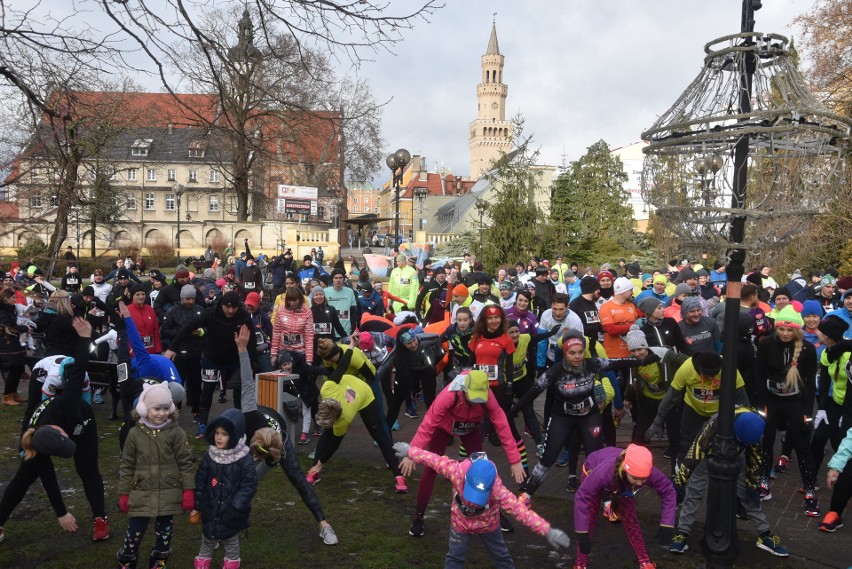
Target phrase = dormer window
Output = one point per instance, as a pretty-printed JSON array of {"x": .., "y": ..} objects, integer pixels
[
  {"x": 140, "y": 147},
  {"x": 196, "y": 149}
]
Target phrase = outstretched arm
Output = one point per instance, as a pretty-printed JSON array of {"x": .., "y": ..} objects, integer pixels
[{"x": 248, "y": 390}]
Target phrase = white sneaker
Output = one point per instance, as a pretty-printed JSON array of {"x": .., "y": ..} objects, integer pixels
[{"x": 328, "y": 536}]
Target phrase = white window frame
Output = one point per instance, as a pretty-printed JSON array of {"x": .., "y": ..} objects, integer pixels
[
  {"x": 171, "y": 174},
  {"x": 214, "y": 176},
  {"x": 131, "y": 174},
  {"x": 170, "y": 203},
  {"x": 130, "y": 203},
  {"x": 138, "y": 151},
  {"x": 213, "y": 204},
  {"x": 192, "y": 176},
  {"x": 149, "y": 203},
  {"x": 151, "y": 174},
  {"x": 35, "y": 201}
]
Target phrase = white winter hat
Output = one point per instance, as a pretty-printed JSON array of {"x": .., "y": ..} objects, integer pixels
[{"x": 622, "y": 285}]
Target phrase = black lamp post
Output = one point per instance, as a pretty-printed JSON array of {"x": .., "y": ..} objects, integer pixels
[
  {"x": 397, "y": 163},
  {"x": 481, "y": 206},
  {"x": 179, "y": 189}
]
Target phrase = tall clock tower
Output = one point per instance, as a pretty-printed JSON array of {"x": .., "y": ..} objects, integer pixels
[{"x": 490, "y": 134}]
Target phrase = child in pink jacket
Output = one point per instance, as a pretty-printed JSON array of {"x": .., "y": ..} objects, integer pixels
[{"x": 478, "y": 498}]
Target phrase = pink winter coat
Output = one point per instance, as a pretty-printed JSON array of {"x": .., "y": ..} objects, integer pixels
[{"x": 293, "y": 330}]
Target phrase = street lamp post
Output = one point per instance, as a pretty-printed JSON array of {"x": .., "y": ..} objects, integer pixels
[
  {"x": 397, "y": 163},
  {"x": 798, "y": 164},
  {"x": 420, "y": 193},
  {"x": 179, "y": 189},
  {"x": 481, "y": 207}
]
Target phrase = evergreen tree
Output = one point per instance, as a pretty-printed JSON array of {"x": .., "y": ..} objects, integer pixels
[{"x": 590, "y": 212}]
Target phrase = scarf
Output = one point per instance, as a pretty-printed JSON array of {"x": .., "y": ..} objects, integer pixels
[
  {"x": 144, "y": 421},
  {"x": 229, "y": 455}
]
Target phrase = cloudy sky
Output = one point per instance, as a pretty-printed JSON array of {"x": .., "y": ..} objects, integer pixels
[{"x": 577, "y": 70}]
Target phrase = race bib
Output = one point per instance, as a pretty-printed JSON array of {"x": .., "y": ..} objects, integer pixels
[
  {"x": 305, "y": 282},
  {"x": 705, "y": 394},
  {"x": 148, "y": 341},
  {"x": 492, "y": 372},
  {"x": 592, "y": 317},
  {"x": 581, "y": 408},
  {"x": 343, "y": 314},
  {"x": 464, "y": 427},
  {"x": 322, "y": 327},
  {"x": 405, "y": 282},
  {"x": 72, "y": 280},
  {"x": 210, "y": 375},
  {"x": 292, "y": 339},
  {"x": 249, "y": 285},
  {"x": 780, "y": 388}
]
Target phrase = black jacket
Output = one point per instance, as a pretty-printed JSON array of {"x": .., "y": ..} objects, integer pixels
[
  {"x": 10, "y": 343},
  {"x": 219, "y": 346},
  {"x": 176, "y": 318}
]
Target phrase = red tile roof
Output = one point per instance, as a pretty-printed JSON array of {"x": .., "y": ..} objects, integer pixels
[{"x": 142, "y": 109}]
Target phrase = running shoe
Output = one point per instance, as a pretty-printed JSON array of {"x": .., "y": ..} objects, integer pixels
[
  {"x": 830, "y": 523},
  {"x": 801, "y": 489},
  {"x": 412, "y": 413},
  {"x": 2, "y": 535},
  {"x": 765, "y": 492},
  {"x": 648, "y": 565},
  {"x": 772, "y": 543},
  {"x": 505, "y": 525},
  {"x": 222, "y": 398},
  {"x": 678, "y": 544},
  {"x": 97, "y": 397},
  {"x": 328, "y": 536},
  {"x": 400, "y": 486},
  {"x": 416, "y": 528},
  {"x": 304, "y": 439},
  {"x": 199, "y": 432},
  {"x": 539, "y": 450},
  {"x": 773, "y": 474},
  {"x": 312, "y": 477},
  {"x": 101, "y": 529},
  {"x": 781, "y": 465},
  {"x": 562, "y": 460},
  {"x": 573, "y": 484},
  {"x": 395, "y": 426},
  {"x": 811, "y": 505},
  {"x": 668, "y": 453}
]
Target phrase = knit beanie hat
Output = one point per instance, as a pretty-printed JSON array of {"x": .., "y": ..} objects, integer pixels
[
  {"x": 827, "y": 280},
  {"x": 231, "y": 298},
  {"x": 707, "y": 363},
  {"x": 812, "y": 308},
  {"x": 317, "y": 289},
  {"x": 635, "y": 338},
  {"x": 638, "y": 461},
  {"x": 182, "y": 272},
  {"x": 748, "y": 428},
  {"x": 788, "y": 318},
  {"x": 137, "y": 288},
  {"x": 844, "y": 283},
  {"x": 154, "y": 396},
  {"x": 622, "y": 285},
  {"x": 682, "y": 289},
  {"x": 634, "y": 268},
  {"x": 366, "y": 342},
  {"x": 589, "y": 285},
  {"x": 661, "y": 279},
  {"x": 689, "y": 303},
  {"x": 646, "y": 277},
  {"x": 648, "y": 305},
  {"x": 460, "y": 290},
  {"x": 605, "y": 274},
  {"x": 187, "y": 291},
  {"x": 783, "y": 291},
  {"x": 833, "y": 327}
]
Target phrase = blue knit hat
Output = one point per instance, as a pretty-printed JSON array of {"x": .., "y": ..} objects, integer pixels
[
  {"x": 811, "y": 308},
  {"x": 748, "y": 428}
]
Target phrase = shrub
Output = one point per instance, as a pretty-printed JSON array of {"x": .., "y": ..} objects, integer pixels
[
  {"x": 161, "y": 253},
  {"x": 34, "y": 247}
]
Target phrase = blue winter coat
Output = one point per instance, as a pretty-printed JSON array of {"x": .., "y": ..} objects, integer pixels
[{"x": 223, "y": 492}]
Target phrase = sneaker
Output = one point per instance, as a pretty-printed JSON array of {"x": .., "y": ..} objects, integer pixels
[
  {"x": 765, "y": 492},
  {"x": 505, "y": 525},
  {"x": 304, "y": 439},
  {"x": 648, "y": 565},
  {"x": 772, "y": 543},
  {"x": 395, "y": 426},
  {"x": 609, "y": 513},
  {"x": 412, "y": 414},
  {"x": 101, "y": 529},
  {"x": 199, "y": 432},
  {"x": 830, "y": 523},
  {"x": 781, "y": 465},
  {"x": 400, "y": 486},
  {"x": 573, "y": 484},
  {"x": 313, "y": 455},
  {"x": 222, "y": 398},
  {"x": 97, "y": 397},
  {"x": 527, "y": 432},
  {"x": 416, "y": 528},
  {"x": 328, "y": 536},
  {"x": 741, "y": 511},
  {"x": 811, "y": 505},
  {"x": 668, "y": 453},
  {"x": 312, "y": 477},
  {"x": 773, "y": 474},
  {"x": 678, "y": 544},
  {"x": 801, "y": 489},
  {"x": 562, "y": 460},
  {"x": 2, "y": 535},
  {"x": 539, "y": 450}
]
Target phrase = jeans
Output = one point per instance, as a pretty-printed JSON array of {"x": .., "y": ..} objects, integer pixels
[{"x": 493, "y": 543}]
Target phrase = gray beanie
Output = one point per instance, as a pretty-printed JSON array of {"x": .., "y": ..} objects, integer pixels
[
  {"x": 648, "y": 305},
  {"x": 682, "y": 288},
  {"x": 689, "y": 303},
  {"x": 315, "y": 290},
  {"x": 635, "y": 338},
  {"x": 187, "y": 291}
]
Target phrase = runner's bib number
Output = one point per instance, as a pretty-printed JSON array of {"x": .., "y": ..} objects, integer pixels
[
  {"x": 148, "y": 341},
  {"x": 292, "y": 339},
  {"x": 464, "y": 427},
  {"x": 249, "y": 285},
  {"x": 404, "y": 282},
  {"x": 210, "y": 375},
  {"x": 705, "y": 395},
  {"x": 343, "y": 314},
  {"x": 322, "y": 327},
  {"x": 581, "y": 408},
  {"x": 780, "y": 388}
]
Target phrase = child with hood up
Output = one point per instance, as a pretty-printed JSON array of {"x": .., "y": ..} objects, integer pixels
[{"x": 225, "y": 484}]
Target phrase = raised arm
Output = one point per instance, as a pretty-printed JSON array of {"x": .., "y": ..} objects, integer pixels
[{"x": 248, "y": 390}]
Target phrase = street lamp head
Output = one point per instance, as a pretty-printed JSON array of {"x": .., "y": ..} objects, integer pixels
[
  {"x": 482, "y": 206},
  {"x": 402, "y": 157},
  {"x": 178, "y": 188},
  {"x": 391, "y": 161}
]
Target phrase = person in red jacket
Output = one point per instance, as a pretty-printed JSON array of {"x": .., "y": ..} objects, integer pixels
[
  {"x": 145, "y": 318},
  {"x": 457, "y": 411}
]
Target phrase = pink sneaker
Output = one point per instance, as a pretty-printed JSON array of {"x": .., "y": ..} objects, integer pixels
[
  {"x": 312, "y": 478},
  {"x": 401, "y": 487},
  {"x": 101, "y": 530}
]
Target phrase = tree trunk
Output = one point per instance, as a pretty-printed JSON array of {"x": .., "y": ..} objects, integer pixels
[{"x": 60, "y": 224}]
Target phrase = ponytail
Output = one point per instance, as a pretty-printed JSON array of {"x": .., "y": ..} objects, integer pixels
[
  {"x": 794, "y": 378},
  {"x": 27, "y": 444}
]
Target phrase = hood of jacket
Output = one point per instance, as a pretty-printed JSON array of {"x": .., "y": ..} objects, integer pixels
[{"x": 233, "y": 421}]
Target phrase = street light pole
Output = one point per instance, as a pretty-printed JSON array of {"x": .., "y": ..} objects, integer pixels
[
  {"x": 397, "y": 163},
  {"x": 420, "y": 193},
  {"x": 178, "y": 189},
  {"x": 482, "y": 207}
]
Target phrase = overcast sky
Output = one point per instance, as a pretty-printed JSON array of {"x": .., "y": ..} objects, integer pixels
[{"x": 578, "y": 70}]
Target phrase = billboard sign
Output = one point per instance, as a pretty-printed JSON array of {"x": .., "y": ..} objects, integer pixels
[{"x": 298, "y": 192}]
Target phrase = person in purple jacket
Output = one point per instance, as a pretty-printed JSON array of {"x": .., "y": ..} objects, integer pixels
[{"x": 615, "y": 474}]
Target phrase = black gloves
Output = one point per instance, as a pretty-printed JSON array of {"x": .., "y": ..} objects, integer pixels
[{"x": 584, "y": 542}]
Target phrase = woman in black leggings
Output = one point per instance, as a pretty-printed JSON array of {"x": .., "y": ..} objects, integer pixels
[
  {"x": 785, "y": 380},
  {"x": 64, "y": 426},
  {"x": 414, "y": 359},
  {"x": 579, "y": 393}
]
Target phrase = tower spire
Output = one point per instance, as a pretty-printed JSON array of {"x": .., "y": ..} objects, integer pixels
[{"x": 493, "y": 46}]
